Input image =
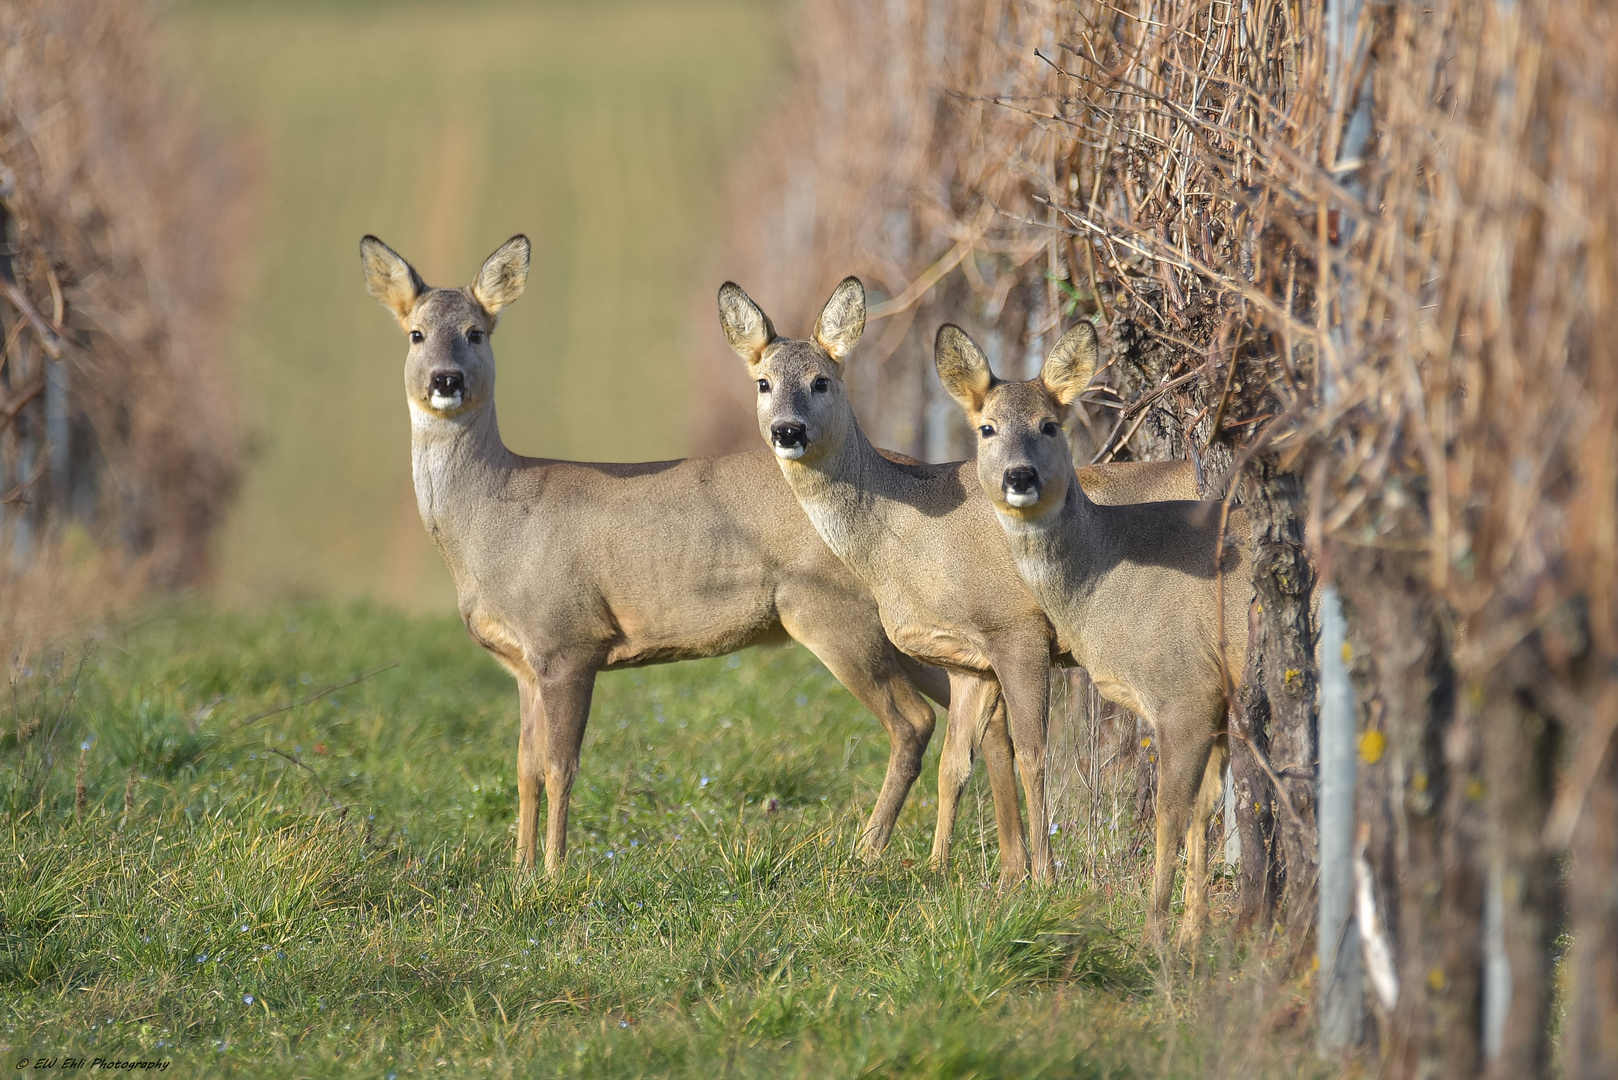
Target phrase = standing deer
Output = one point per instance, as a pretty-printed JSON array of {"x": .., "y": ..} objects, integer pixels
[
  {"x": 923, "y": 539},
  {"x": 1133, "y": 590},
  {"x": 563, "y": 569}
]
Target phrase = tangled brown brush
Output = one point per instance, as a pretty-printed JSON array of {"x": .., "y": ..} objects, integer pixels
[
  {"x": 117, "y": 210},
  {"x": 1358, "y": 270}
]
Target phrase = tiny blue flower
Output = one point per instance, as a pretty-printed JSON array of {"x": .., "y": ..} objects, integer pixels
[{"x": 247, "y": 999}]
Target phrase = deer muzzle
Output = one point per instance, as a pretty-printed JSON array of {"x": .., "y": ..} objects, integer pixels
[
  {"x": 1021, "y": 486},
  {"x": 446, "y": 389},
  {"x": 789, "y": 439}
]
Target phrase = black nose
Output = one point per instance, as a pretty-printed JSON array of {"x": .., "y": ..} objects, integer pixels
[
  {"x": 1022, "y": 480},
  {"x": 447, "y": 383},
  {"x": 789, "y": 433}
]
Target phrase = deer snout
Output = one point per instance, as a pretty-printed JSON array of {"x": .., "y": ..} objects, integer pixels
[
  {"x": 446, "y": 389},
  {"x": 1021, "y": 485},
  {"x": 789, "y": 438}
]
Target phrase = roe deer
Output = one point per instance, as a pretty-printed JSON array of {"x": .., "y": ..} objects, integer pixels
[
  {"x": 977, "y": 713},
  {"x": 924, "y": 540},
  {"x": 563, "y": 569},
  {"x": 1131, "y": 589}
]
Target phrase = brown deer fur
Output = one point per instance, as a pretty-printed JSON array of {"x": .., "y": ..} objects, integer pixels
[{"x": 1132, "y": 590}]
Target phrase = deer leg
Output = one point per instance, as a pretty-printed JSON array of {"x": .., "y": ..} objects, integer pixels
[
  {"x": 999, "y": 758},
  {"x": 1196, "y": 845},
  {"x": 1181, "y": 759},
  {"x": 931, "y": 681},
  {"x": 1026, "y": 682},
  {"x": 971, "y": 702},
  {"x": 530, "y": 770},
  {"x": 874, "y": 676},
  {"x": 565, "y": 689}
]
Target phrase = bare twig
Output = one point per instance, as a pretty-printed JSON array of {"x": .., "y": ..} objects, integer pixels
[
  {"x": 317, "y": 695},
  {"x": 324, "y": 790},
  {"x": 20, "y": 489},
  {"x": 935, "y": 273},
  {"x": 48, "y": 337}
]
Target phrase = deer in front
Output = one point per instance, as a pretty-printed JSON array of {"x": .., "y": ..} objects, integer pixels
[
  {"x": 563, "y": 569},
  {"x": 1134, "y": 591}
]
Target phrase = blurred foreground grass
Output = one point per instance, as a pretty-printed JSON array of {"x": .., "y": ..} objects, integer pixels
[{"x": 245, "y": 888}]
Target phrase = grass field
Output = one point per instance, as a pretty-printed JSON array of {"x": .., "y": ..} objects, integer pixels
[
  {"x": 191, "y": 875},
  {"x": 602, "y": 130}
]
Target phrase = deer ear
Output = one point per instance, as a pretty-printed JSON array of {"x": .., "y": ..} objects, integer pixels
[
  {"x": 842, "y": 321},
  {"x": 962, "y": 367},
  {"x": 1071, "y": 365},
  {"x": 746, "y": 326},
  {"x": 504, "y": 275},
  {"x": 390, "y": 279}
]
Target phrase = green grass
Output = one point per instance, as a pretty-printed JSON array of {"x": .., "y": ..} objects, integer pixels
[{"x": 327, "y": 889}]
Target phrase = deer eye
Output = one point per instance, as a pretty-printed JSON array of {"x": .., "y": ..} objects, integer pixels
[
  {"x": 987, "y": 431},
  {"x": 475, "y": 336},
  {"x": 1049, "y": 428},
  {"x": 417, "y": 337},
  {"x": 764, "y": 386},
  {"x": 820, "y": 385}
]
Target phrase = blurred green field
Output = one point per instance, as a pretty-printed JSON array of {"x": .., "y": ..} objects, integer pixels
[
  {"x": 602, "y": 130},
  {"x": 246, "y": 888}
]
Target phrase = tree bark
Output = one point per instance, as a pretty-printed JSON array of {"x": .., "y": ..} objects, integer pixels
[
  {"x": 1424, "y": 829},
  {"x": 1283, "y": 580},
  {"x": 1259, "y": 875},
  {"x": 1591, "y": 1047},
  {"x": 1519, "y": 752}
]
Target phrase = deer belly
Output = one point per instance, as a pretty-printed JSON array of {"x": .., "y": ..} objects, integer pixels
[
  {"x": 1119, "y": 692},
  {"x": 687, "y": 631},
  {"x": 500, "y": 641},
  {"x": 943, "y": 646}
]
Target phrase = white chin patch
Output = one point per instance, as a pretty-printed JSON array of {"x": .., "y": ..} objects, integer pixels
[
  {"x": 789, "y": 453},
  {"x": 444, "y": 402},
  {"x": 1020, "y": 499}
]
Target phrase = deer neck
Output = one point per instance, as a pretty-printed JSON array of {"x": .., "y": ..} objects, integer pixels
[
  {"x": 1060, "y": 556},
  {"x": 457, "y": 464},
  {"x": 840, "y": 491}
]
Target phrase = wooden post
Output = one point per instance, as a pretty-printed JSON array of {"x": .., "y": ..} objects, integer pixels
[{"x": 1341, "y": 1001}]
